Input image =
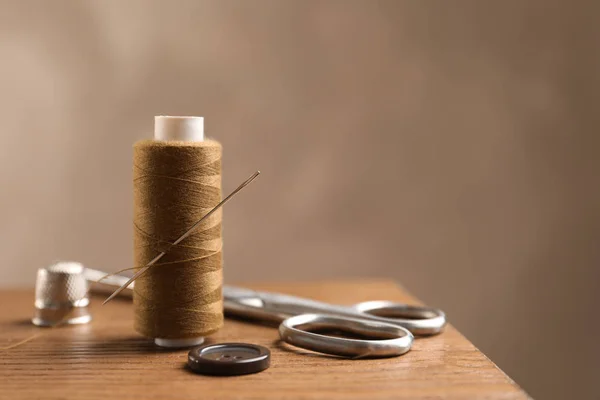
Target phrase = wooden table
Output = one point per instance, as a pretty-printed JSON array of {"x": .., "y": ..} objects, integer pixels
[{"x": 107, "y": 359}]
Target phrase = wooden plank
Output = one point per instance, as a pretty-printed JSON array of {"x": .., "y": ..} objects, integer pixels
[{"x": 108, "y": 359}]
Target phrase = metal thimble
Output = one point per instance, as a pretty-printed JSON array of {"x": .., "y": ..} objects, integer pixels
[{"x": 61, "y": 295}]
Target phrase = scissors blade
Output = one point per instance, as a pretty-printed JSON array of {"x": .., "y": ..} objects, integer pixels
[{"x": 267, "y": 306}]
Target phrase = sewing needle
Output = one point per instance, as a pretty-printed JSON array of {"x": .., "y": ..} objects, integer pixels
[{"x": 181, "y": 238}]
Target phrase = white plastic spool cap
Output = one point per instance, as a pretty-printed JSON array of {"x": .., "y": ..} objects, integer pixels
[{"x": 186, "y": 129}]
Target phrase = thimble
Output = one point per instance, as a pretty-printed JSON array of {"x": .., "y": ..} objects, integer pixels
[{"x": 61, "y": 295}]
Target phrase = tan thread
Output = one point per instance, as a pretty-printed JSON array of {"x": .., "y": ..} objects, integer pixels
[{"x": 175, "y": 184}]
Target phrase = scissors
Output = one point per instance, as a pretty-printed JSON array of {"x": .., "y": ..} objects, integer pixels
[
  {"x": 385, "y": 328},
  {"x": 392, "y": 325}
]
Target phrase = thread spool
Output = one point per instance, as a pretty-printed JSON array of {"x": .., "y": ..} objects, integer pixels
[{"x": 177, "y": 179}]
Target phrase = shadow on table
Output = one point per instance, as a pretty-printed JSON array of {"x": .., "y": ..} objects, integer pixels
[
  {"x": 105, "y": 348},
  {"x": 23, "y": 322},
  {"x": 123, "y": 346}
]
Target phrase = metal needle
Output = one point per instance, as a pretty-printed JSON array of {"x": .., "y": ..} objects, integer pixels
[{"x": 182, "y": 237}]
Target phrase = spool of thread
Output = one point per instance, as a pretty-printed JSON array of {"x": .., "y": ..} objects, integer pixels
[{"x": 177, "y": 180}]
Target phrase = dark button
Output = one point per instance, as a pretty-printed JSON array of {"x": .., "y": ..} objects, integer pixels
[{"x": 229, "y": 359}]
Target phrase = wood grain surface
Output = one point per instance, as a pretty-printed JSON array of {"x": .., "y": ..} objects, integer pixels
[{"x": 108, "y": 359}]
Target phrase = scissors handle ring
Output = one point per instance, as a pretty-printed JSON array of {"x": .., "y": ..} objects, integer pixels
[
  {"x": 392, "y": 340},
  {"x": 417, "y": 319}
]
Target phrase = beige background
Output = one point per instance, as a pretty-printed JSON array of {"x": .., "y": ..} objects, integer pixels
[{"x": 450, "y": 145}]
